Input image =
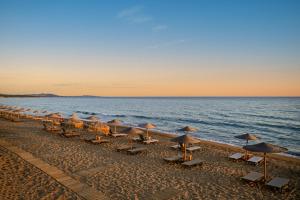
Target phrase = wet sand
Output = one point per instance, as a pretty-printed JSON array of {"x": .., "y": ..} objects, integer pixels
[{"x": 144, "y": 176}]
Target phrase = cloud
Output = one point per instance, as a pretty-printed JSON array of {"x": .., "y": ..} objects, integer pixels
[
  {"x": 159, "y": 28},
  {"x": 134, "y": 15},
  {"x": 166, "y": 44}
]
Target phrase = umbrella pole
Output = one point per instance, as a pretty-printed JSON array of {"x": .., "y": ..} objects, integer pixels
[
  {"x": 147, "y": 134},
  {"x": 115, "y": 129},
  {"x": 265, "y": 167}
]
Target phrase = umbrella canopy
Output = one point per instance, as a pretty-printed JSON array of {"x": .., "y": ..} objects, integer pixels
[
  {"x": 132, "y": 131},
  {"x": 115, "y": 122},
  {"x": 92, "y": 118},
  {"x": 265, "y": 148},
  {"x": 187, "y": 129},
  {"x": 147, "y": 126},
  {"x": 54, "y": 115},
  {"x": 185, "y": 139},
  {"x": 246, "y": 136},
  {"x": 74, "y": 117}
]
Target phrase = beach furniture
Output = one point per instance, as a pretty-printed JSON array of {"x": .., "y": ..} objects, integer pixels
[
  {"x": 118, "y": 134},
  {"x": 253, "y": 177},
  {"x": 99, "y": 140},
  {"x": 173, "y": 159},
  {"x": 176, "y": 146},
  {"x": 236, "y": 156},
  {"x": 150, "y": 141},
  {"x": 278, "y": 183},
  {"x": 136, "y": 150},
  {"x": 193, "y": 148},
  {"x": 192, "y": 163},
  {"x": 256, "y": 160},
  {"x": 125, "y": 147}
]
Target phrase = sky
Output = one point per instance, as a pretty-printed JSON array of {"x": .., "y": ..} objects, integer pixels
[{"x": 150, "y": 48}]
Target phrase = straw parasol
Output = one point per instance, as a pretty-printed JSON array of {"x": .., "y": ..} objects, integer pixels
[
  {"x": 115, "y": 123},
  {"x": 93, "y": 118},
  {"x": 187, "y": 129},
  {"x": 132, "y": 132},
  {"x": 184, "y": 140},
  {"x": 246, "y": 137},
  {"x": 265, "y": 148},
  {"x": 147, "y": 126}
]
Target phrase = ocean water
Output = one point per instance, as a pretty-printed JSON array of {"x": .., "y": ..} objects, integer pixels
[{"x": 275, "y": 120}]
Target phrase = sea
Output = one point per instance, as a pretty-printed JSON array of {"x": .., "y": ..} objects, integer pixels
[{"x": 274, "y": 120}]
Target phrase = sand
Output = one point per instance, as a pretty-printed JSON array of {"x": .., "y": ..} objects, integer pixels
[{"x": 144, "y": 176}]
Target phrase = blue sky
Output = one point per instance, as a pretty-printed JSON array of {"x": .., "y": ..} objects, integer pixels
[{"x": 216, "y": 34}]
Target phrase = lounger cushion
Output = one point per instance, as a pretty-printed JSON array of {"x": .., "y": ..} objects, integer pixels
[
  {"x": 278, "y": 182},
  {"x": 253, "y": 177}
]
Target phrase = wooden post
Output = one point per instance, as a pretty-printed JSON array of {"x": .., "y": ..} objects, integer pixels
[{"x": 265, "y": 168}]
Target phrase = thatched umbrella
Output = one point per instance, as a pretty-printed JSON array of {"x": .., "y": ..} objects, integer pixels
[
  {"x": 132, "y": 132},
  {"x": 147, "y": 126},
  {"x": 183, "y": 140},
  {"x": 93, "y": 118},
  {"x": 265, "y": 148},
  {"x": 246, "y": 137},
  {"x": 115, "y": 123},
  {"x": 187, "y": 129}
]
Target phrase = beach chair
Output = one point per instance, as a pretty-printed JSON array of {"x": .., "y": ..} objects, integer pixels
[
  {"x": 278, "y": 183},
  {"x": 119, "y": 134},
  {"x": 176, "y": 146},
  {"x": 150, "y": 141},
  {"x": 253, "y": 177},
  {"x": 125, "y": 147},
  {"x": 256, "y": 160},
  {"x": 173, "y": 159},
  {"x": 136, "y": 150},
  {"x": 99, "y": 140},
  {"x": 236, "y": 156},
  {"x": 193, "y": 148},
  {"x": 192, "y": 163}
]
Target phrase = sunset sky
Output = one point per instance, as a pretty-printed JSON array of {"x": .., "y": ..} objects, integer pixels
[{"x": 150, "y": 48}]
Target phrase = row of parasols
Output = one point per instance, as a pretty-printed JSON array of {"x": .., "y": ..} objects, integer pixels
[{"x": 185, "y": 139}]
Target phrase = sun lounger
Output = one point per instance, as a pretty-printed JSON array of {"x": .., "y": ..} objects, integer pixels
[
  {"x": 278, "y": 183},
  {"x": 119, "y": 134},
  {"x": 193, "y": 148},
  {"x": 151, "y": 141},
  {"x": 100, "y": 141},
  {"x": 177, "y": 146},
  {"x": 125, "y": 147},
  {"x": 236, "y": 156},
  {"x": 136, "y": 150},
  {"x": 173, "y": 159},
  {"x": 192, "y": 163},
  {"x": 253, "y": 177},
  {"x": 255, "y": 160}
]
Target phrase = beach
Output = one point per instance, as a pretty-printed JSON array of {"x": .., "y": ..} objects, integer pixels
[{"x": 121, "y": 176}]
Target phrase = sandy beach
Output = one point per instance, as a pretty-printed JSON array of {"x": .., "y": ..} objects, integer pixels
[{"x": 121, "y": 176}]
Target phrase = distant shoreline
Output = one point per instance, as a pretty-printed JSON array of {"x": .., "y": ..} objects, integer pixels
[{"x": 167, "y": 97}]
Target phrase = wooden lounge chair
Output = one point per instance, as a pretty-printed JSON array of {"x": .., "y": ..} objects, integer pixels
[
  {"x": 173, "y": 159},
  {"x": 136, "y": 150},
  {"x": 150, "y": 141},
  {"x": 253, "y": 177},
  {"x": 119, "y": 134},
  {"x": 193, "y": 148},
  {"x": 236, "y": 156},
  {"x": 256, "y": 160},
  {"x": 176, "y": 146},
  {"x": 125, "y": 147},
  {"x": 192, "y": 163},
  {"x": 278, "y": 183},
  {"x": 101, "y": 141}
]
